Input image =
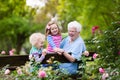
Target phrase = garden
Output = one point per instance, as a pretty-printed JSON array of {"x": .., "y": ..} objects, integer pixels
[{"x": 100, "y": 30}]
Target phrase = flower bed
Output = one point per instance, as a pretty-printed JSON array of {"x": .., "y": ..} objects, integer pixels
[{"x": 23, "y": 72}]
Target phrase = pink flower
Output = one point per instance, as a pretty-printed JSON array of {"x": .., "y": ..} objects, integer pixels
[
  {"x": 11, "y": 53},
  {"x": 94, "y": 29},
  {"x": 104, "y": 76},
  {"x": 3, "y": 52},
  {"x": 101, "y": 70},
  {"x": 19, "y": 71},
  {"x": 95, "y": 56},
  {"x": 7, "y": 71},
  {"x": 42, "y": 74}
]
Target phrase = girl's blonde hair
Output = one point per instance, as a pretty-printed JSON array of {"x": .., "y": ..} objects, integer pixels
[
  {"x": 48, "y": 31},
  {"x": 35, "y": 37}
]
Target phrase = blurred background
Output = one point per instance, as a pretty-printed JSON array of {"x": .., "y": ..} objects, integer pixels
[{"x": 20, "y": 18}]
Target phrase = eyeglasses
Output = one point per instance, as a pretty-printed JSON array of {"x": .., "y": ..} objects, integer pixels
[{"x": 72, "y": 31}]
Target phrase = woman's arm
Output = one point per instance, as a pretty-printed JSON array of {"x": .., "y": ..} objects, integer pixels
[{"x": 69, "y": 57}]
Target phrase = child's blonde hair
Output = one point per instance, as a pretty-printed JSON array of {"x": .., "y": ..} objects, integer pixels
[{"x": 35, "y": 37}]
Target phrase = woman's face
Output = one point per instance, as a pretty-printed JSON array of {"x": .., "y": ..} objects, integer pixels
[
  {"x": 73, "y": 33},
  {"x": 54, "y": 29}
]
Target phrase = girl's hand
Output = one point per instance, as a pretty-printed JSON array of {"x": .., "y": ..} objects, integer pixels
[
  {"x": 60, "y": 51},
  {"x": 30, "y": 56},
  {"x": 56, "y": 49}
]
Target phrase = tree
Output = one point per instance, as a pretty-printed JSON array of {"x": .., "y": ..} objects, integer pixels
[
  {"x": 89, "y": 13},
  {"x": 16, "y": 24}
]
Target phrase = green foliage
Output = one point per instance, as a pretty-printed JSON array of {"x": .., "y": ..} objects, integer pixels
[
  {"x": 68, "y": 10},
  {"x": 23, "y": 72},
  {"x": 107, "y": 45},
  {"x": 16, "y": 24},
  {"x": 110, "y": 45},
  {"x": 13, "y": 7},
  {"x": 16, "y": 30},
  {"x": 89, "y": 13}
]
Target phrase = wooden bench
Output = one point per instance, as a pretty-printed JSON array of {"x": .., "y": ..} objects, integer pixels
[{"x": 18, "y": 60}]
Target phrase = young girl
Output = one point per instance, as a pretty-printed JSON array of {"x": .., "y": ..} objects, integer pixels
[
  {"x": 37, "y": 41},
  {"x": 54, "y": 37}
]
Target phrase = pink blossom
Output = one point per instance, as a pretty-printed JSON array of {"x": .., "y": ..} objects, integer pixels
[
  {"x": 7, "y": 71},
  {"x": 3, "y": 52},
  {"x": 94, "y": 29},
  {"x": 101, "y": 70},
  {"x": 19, "y": 71},
  {"x": 42, "y": 74},
  {"x": 95, "y": 56},
  {"x": 104, "y": 76},
  {"x": 11, "y": 53}
]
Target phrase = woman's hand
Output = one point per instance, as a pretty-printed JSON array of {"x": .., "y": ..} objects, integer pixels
[
  {"x": 86, "y": 53},
  {"x": 59, "y": 51}
]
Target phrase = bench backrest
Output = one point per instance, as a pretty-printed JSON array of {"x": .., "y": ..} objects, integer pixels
[{"x": 18, "y": 60}]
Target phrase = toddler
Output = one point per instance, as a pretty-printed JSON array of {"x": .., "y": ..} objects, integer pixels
[{"x": 37, "y": 42}]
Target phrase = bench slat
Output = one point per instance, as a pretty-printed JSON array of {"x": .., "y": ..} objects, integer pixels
[{"x": 18, "y": 60}]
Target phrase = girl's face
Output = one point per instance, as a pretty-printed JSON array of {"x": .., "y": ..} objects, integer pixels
[
  {"x": 39, "y": 44},
  {"x": 54, "y": 29}
]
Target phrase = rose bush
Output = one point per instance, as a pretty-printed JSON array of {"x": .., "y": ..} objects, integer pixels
[
  {"x": 39, "y": 72},
  {"x": 107, "y": 47}
]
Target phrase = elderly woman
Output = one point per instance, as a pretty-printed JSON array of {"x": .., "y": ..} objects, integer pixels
[{"x": 73, "y": 46}]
